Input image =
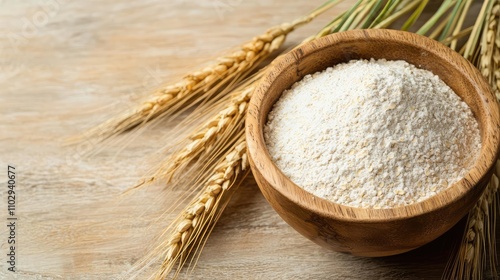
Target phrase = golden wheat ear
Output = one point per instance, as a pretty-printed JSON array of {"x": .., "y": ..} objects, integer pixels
[
  {"x": 489, "y": 59},
  {"x": 187, "y": 234},
  {"x": 209, "y": 139},
  {"x": 477, "y": 249},
  {"x": 198, "y": 86}
]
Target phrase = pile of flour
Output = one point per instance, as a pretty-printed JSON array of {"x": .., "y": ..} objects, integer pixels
[{"x": 372, "y": 134}]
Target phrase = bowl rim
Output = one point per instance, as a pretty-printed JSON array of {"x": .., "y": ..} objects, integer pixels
[{"x": 284, "y": 186}]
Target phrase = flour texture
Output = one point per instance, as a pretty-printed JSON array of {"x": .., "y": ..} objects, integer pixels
[{"x": 372, "y": 134}]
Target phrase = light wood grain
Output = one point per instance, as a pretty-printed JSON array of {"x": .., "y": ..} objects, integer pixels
[
  {"x": 89, "y": 60},
  {"x": 366, "y": 231}
]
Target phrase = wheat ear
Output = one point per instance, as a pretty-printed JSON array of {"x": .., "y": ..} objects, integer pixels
[
  {"x": 479, "y": 238},
  {"x": 489, "y": 60},
  {"x": 229, "y": 68},
  {"x": 206, "y": 83},
  {"x": 191, "y": 228},
  {"x": 211, "y": 135},
  {"x": 494, "y": 78}
]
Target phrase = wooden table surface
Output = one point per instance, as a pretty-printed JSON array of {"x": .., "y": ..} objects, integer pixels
[{"x": 67, "y": 65}]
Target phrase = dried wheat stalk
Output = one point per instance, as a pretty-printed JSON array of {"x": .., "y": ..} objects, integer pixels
[
  {"x": 479, "y": 239},
  {"x": 191, "y": 228},
  {"x": 478, "y": 245},
  {"x": 206, "y": 83}
]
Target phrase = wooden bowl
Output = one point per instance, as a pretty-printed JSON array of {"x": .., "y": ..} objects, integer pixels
[{"x": 362, "y": 231}]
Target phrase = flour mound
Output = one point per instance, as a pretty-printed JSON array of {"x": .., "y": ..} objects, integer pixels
[{"x": 372, "y": 134}]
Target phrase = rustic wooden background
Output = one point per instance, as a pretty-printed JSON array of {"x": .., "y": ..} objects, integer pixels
[{"x": 65, "y": 66}]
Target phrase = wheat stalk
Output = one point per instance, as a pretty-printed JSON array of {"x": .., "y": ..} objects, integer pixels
[
  {"x": 479, "y": 237},
  {"x": 205, "y": 83},
  {"x": 478, "y": 245},
  {"x": 192, "y": 227}
]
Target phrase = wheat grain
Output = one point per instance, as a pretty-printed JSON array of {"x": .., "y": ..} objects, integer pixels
[
  {"x": 189, "y": 230},
  {"x": 203, "y": 140}
]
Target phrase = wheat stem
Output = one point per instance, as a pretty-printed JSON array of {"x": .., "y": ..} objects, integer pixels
[
  {"x": 460, "y": 23},
  {"x": 416, "y": 14},
  {"x": 472, "y": 44},
  {"x": 405, "y": 8}
]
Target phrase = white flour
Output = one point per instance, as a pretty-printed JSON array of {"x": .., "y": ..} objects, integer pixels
[{"x": 372, "y": 134}]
